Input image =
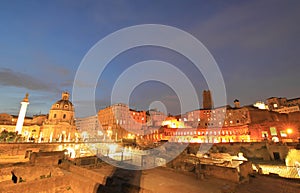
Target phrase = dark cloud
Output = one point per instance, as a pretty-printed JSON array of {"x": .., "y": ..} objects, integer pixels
[{"x": 9, "y": 77}]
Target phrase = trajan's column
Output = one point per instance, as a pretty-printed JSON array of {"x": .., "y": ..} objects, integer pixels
[{"x": 22, "y": 113}]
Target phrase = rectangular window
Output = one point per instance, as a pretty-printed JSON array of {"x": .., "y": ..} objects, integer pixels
[
  {"x": 273, "y": 131},
  {"x": 283, "y": 134},
  {"x": 264, "y": 134}
]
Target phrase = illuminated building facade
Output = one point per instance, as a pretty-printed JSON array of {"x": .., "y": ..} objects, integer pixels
[
  {"x": 60, "y": 125},
  {"x": 245, "y": 124},
  {"x": 31, "y": 125},
  {"x": 218, "y": 117},
  {"x": 261, "y": 105},
  {"x": 28, "y": 127},
  {"x": 289, "y": 109},
  {"x": 215, "y": 125},
  {"x": 207, "y": 135},
  {"x": 155, "y": 118},
  {"x": 277, "y": 103},
  {"x": 119, "y": 121},
  {"x": 89, "y": 128}
]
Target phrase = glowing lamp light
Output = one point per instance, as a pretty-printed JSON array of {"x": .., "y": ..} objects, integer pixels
[{"x": 289, "y": 131}]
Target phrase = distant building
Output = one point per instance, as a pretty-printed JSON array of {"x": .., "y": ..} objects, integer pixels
[
  {"x": 60, "y": 125},
  {"x": 205, "y": 135},
  {"x": 261, "y": 105},
  {"x": 119, "y": 121},
  {"x": 289, "y": 109},
  {"x": 208, "y": 125},
  {"x": 275, "y": 102},
  {"x": 293, "y": 102},
  {"x": 283, "y": 105},
  {"x": 31, "y": 125},
  {"x": 227, "y": 124},
  {"x": 218, "y": 117},
  {"x": 173, "y": 122},
  {"x": 89, "y": 128},
  {"x": 155, "y": 118}
]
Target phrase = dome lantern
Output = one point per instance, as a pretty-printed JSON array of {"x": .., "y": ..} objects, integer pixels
[{"x": 65, "y": 96}]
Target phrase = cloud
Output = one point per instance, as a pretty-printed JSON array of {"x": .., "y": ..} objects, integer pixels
[
  {"x": 9, "y": 77},
  {"x": 66, "y": 83}
]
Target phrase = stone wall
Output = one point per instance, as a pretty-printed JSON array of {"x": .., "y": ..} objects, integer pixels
[
  {"x": 280, "y": 149},
  {"x": 82, "y": 184},
  {"x": 28, "y": 173},
  {"x": 50, "y": 179},
  {"x": 86, "y": 161},
  {"x": 100, "y": 178},
  {"x": 245, "y": 169},
  {"x": 55, "y": 184},
  {"x": 261, "y": 150},
  {"x": 259, "y": 116},
  {"x": 46, "y": 158},
  {"x": 14, "y": 149},
  {"x": 250, "y": 150},
  {"x": 36, "y": 179},
  {"x": 11, "y": 149},
  {"x": 295, "y": 116},
  {"x": 221, "y": 172}
]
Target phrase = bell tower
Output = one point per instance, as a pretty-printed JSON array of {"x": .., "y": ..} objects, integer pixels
[{"x": 207, "y": 100}]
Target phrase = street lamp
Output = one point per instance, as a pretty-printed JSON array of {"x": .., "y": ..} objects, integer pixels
[{"x": 289, "y": 131}]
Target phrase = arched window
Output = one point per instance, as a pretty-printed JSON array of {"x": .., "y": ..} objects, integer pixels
[
  {"x": 64, "y": 116},
  {"x": 54, "y": 116}
]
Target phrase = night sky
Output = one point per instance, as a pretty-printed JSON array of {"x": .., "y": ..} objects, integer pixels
[{"x": 42, "y": 43}]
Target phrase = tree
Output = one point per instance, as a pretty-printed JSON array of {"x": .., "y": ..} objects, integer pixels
[{"x": 8, "y": 136}]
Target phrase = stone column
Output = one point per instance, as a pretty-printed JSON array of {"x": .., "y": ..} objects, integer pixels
[{"x": 22, "y": 113}]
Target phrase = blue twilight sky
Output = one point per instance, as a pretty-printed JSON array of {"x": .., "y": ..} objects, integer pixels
[{"x": 255, "y": 43}]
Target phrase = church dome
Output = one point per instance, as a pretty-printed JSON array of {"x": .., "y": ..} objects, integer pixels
[{"x": 63, "y": 103}]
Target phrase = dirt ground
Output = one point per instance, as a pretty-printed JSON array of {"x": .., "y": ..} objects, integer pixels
[
  {"x": 261, "y": 184},
  {"x": 164, "y": 180}
]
